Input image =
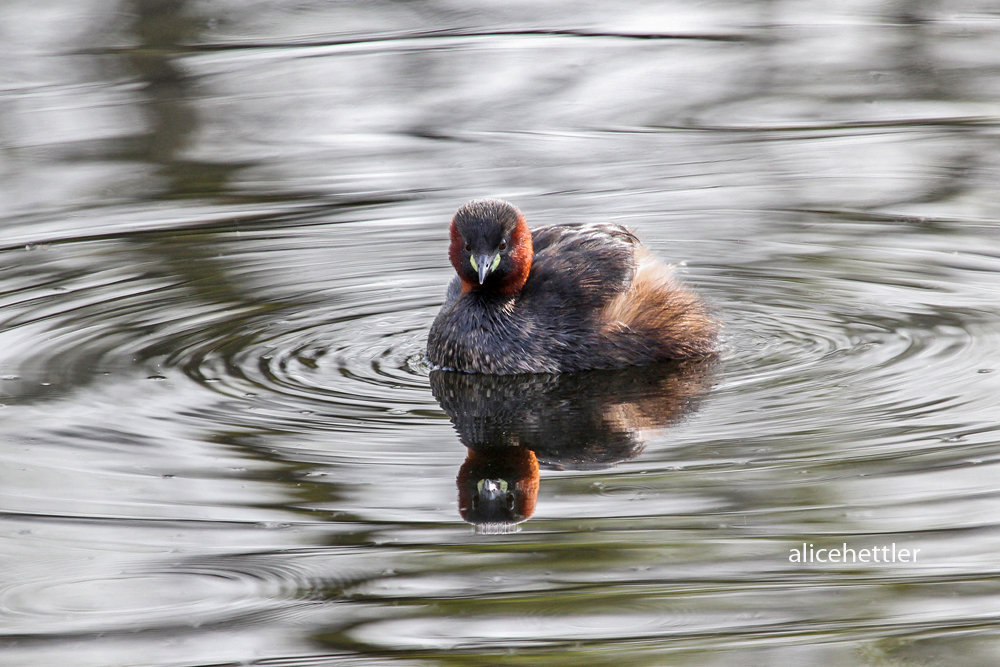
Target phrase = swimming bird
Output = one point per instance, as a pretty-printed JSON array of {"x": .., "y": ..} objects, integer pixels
[{"x": 561, "y": 298}]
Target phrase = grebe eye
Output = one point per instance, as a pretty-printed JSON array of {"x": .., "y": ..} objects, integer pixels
[
  {"x": 468, "y": 247},
  {"x": 503, "y": 245}
]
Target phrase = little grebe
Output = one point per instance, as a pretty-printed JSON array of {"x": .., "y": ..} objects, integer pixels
[{"x": 557, "y": 299}]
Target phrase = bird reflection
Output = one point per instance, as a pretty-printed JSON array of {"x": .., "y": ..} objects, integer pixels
[{"x": 515, "y": 424}]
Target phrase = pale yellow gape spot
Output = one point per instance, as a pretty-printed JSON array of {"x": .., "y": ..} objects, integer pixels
[
  {"x": 501, "y": 483},
  {"x": 493, "y": 266}
]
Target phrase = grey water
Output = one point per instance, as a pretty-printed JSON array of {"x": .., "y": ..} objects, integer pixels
[{"x": 223, "y": 233}]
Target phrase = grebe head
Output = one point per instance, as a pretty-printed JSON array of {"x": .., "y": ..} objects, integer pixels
[{"x": 490, "y": 246}]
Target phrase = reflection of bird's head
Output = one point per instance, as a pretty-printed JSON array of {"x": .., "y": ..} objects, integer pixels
[{"x": 497, "y": 487}]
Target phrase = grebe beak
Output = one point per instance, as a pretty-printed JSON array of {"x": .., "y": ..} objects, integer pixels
[{"x": 485, "y": 265}]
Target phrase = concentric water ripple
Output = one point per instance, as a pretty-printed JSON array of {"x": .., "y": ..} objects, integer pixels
[
  {"x": 899, "y": 320},
  {"x": 367, "y": 362}
]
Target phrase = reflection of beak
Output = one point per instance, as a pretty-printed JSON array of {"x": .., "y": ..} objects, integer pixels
[
  {"x": 492, "y": 491},
  {"x": 490, "y": 501},
  {"x": 485, "y": 264}
]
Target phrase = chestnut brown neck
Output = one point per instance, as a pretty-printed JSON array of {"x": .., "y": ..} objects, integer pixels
[{"x": 521, "y": 254}]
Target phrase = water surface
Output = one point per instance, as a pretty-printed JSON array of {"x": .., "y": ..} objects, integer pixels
[{"x": 223, "y": 235}]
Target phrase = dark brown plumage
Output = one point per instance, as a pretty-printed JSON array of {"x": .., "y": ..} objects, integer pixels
[{"x": 559, "y": 299}]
